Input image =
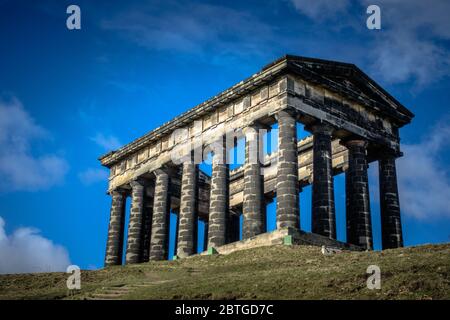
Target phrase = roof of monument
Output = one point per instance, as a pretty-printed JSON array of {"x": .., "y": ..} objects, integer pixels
[{"x": 343, "y": 78}]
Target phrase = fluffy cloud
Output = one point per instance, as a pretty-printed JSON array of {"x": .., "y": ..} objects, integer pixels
[
  {"x": 20, "y": 169},
  {"x": 194, "y": 28},
  {"x": 91, "y": 175},
  {"x": 424, "y": 180},
  {"x": 410, "y": 46},
  {"x": 25, "y": 250},
  {"x": 109, "y": 143},
  {"x": 321, "y": 9}
]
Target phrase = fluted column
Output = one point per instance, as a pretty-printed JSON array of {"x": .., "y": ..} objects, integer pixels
[
  {"x": 253, "y": 185},
  {"x": 219, "y": 197},
  {"x": 391, "y": 226},
  {"x": 161, "y": 215},
  {"x": 359, "y": 225},
  {"x": 134, "y": 242},
  {"x": 323, "y": 208},
  {"x": 114, "y": 245},
  {"x": 187, "y": 225},
  {"x": 287, "y": 172}
]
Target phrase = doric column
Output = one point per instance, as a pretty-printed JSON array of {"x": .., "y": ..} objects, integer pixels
[
  {"x": 147, "y": 228},
  {"x": 391, "y": 226},
  {"x": 187, "y": 225},
  {"x": 114, "y": 245},
  {"x": 287, "y": 172},
  {"x": 359, "y": 225},
  {"x": 253, "y": 185},
  {"x": 219, "y": 197},
  {"x": 134, "y": 242},
  {"x": 161, "y": 215},
  {"x": 323, "y": 209}
]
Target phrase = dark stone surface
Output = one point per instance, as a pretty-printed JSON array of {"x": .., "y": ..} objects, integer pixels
[
  {"x": 323, "y": 208},
  {"x": 147, "y": 228},
  {"x": 359, "y": 224},
  {"x": 232, "y": 228},
  {"x": 114, "y": 245},
  {"x": 391, "y": 225},
  {"x": 205, "y": 236}
]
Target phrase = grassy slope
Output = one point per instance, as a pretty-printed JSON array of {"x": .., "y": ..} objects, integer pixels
[{"x": 278, "y": 272}]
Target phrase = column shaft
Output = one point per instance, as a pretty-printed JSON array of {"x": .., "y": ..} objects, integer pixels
[
  {"x": 391, "y": 226},
  {"x": 114, "y": 246},
  {"x": 147, "y": 229},
  {"x": 359, "y": 225},
  {"x": 253, "y": 186},
  {"x": 134, "y": 242},
  {"x": 288, "y": 209},
  {"x": 161, "y": 218},
  {"x": 323, "y": 208},
  {"x": 219, "y": 198},
  {"x": 187, "y": 232}
]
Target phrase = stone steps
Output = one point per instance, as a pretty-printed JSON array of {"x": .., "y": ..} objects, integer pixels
[{"x": 115, "y": 293}]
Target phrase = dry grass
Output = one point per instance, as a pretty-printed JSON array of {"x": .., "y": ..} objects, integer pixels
[{"x": 277, "y": 272}]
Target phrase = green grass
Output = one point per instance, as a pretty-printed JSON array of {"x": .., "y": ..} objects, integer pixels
[{"x": 277, "y": 272}]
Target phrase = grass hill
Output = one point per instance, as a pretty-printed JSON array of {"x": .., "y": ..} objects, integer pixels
[{"x": 276, "y": 272}]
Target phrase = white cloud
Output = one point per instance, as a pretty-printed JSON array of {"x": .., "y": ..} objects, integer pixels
[
  {"x": 25, "y": 250},
  {"x": 107, "y": 142},
  {"x": 424, "y": 182},
  {"x": 194, "y": 28},
  {"x": 20, "y": 169},
  {"x": 321, "y": 9},
  {"x": 401, "y": 57},
  {"x": 409, "y": 47},
  {"x": 91, "y": 175}
]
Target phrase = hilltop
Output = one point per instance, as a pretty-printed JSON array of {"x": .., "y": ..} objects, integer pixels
[{"x": 276, "y": 272}]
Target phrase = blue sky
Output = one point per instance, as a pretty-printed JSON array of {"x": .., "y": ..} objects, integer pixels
[{"x": 68, "y": 96}]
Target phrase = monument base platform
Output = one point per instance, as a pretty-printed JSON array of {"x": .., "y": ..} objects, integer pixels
[{"x": 286, "y": 236}]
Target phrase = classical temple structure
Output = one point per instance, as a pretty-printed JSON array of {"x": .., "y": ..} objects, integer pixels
[{"x": 352, "y": 121}]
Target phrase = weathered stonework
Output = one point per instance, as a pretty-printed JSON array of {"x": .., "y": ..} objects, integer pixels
[
  {"x": 114, "y": 247},
  {"x": 253, "y": 185},
  {"x": 187, "y": 225},
  {"x": 218, "y": 209},
  {"x": 287, "y": 172},
  {"x": 353, "y": 122},
  {"x": 359, "y": 223},
  {"x": 135, "y": 236},
  {"x": 147, "y": 228},
  {"x": 323, "y": 209},
  {"x": 391, "y": 225},
  {"x": 161, "y": 215}
]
